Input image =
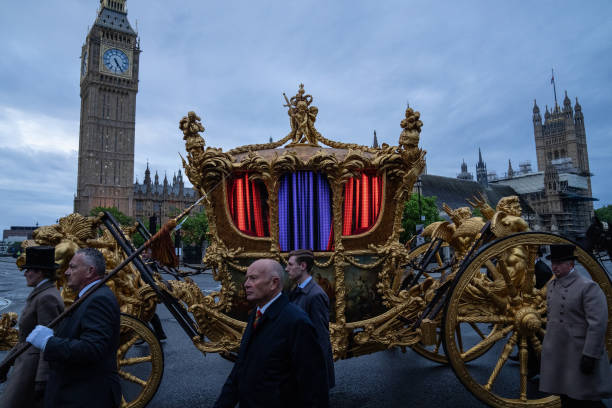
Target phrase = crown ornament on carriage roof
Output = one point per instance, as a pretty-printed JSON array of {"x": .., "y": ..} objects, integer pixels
[{"x": 302, "y": 116}]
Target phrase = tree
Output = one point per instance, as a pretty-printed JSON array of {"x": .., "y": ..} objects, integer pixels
[
  {"x": 138, "y": 239},
  {"x": 604, "y": 214},
  {"x": 114, "y": 211},
  {"x": 122, "y": 219},
  {"x": 15, "y": 248},
  {"x": 194, "y": 229},
  {"x": 410, "y": 217}
]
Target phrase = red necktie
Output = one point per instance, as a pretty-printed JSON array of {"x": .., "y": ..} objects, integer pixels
[{"x": 257, "y": 317}]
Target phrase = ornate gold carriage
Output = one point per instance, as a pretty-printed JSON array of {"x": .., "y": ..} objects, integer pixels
[{"x": 469, "y": 289}]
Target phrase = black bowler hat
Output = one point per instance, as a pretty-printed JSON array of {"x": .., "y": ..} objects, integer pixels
[
  {"x": 560, "y": 253},
  {"x": 40, "y": 257}
]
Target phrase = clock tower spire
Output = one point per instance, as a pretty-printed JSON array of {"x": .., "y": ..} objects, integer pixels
[{"x": 109, "y": 84}]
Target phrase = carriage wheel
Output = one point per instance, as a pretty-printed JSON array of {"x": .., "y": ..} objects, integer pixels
[
  {"x": 518, "y": 313},
  {"x": 140, "y": 361},
  {"x": 435, "y": 352}
]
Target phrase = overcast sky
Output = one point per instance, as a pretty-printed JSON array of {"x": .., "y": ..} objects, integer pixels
[{"x": 472, "y": 68}]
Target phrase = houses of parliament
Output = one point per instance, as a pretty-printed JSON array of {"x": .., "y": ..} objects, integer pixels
[
  {"x": 559, "y": 193},
  {"x": 109, "y": 84}
]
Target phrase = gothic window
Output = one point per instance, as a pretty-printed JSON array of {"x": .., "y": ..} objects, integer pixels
[
  {"x": 556, "y": 154},
  {"x": 549, "y": 156}
]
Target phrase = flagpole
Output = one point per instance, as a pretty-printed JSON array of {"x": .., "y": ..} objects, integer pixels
[{"x": 552, "y": 81}]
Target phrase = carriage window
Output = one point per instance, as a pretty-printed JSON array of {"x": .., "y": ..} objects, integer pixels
[
  {"x": 248, "y": 205},
  {"x": 304, "y": 212},
  {"x": 362, "y": 202}
]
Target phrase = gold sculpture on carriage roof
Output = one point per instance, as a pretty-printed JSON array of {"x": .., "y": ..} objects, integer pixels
[{"x": 468, "y": 289}]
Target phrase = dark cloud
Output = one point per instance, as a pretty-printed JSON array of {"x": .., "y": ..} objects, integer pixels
[
  {"x": 471, "y": 68},
  {"x": 36, "y": 186}
]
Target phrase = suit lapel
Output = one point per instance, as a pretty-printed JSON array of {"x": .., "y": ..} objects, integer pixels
[
  {"x": 246, "y": 338},
  {"x": 271, "y": 312}
]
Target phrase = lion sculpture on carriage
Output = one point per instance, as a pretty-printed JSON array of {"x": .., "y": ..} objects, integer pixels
[{"x": 345, "y": 202}]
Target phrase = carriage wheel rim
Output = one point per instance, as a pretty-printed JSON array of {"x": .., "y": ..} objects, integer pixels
[
  {"x": 524, "y": 322},
  {"x": 155, "y": 358}
]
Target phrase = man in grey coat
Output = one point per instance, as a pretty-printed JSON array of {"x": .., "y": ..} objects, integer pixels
[
  {"x": 574, "y": 362},
  {"x": 309, "y": 296},
  {"x": 27, "y": 380}
]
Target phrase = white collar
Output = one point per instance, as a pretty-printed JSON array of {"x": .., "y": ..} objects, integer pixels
[
  {"x": 41, "y": 282},
  {"x": 264, "y": 307},
  {"x": 88, "y": 287},
  {"x": 303, "y": 284}
]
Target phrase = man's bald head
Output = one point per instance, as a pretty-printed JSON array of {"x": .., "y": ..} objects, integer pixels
[
  {"x": 270, "y": 266},
  {"x": 264, "y": 280}
]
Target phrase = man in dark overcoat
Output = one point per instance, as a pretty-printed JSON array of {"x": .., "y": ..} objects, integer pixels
[
  {"x": 280, "y": 363},
  {"x": 27, "y": 381},
  {"x": 543, "y": 273},
  {"x": 82, "y": 354},
  {"x": 574, "y": 362},
  {"x": 311, "y": 298}
]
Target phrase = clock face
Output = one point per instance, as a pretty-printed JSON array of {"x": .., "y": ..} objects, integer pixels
[
  {"x": 116, "y": 61},
  {"x": 84, "y": 64}
]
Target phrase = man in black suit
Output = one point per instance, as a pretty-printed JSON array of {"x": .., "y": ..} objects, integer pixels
[
  {"x": 311, "y": 298},
  {"x": 543, "y": 273},
  {"x": 82, "y": 354},
  {"x": 280, "y": 363}
]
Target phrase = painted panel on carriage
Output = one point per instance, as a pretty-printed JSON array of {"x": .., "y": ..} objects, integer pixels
[{"x": 362, "y": 298}]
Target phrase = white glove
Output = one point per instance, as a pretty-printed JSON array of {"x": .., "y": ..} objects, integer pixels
[{"x": 39, "y": 336}]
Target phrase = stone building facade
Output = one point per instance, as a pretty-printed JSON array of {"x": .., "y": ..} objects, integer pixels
[
  {"x": 163, "y": 199},
  {"x": 560, "y": 191}
]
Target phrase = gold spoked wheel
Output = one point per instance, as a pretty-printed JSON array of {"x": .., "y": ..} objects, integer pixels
[
  {"x": 497, "y": 290},
  {"x": 140, "y": 361},
  {"x": 469, "y": 352},
  {"x": 430, "y": 352},
  {"x": 435, "y": 352}
]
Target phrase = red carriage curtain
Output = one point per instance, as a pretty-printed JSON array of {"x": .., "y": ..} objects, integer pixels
[
  {"x": 362, "y": 202},
  {"x": 247, "y": 202}
]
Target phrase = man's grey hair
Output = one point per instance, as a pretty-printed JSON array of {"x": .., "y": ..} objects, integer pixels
[
  {"x": 94, "y": 258},
  {"x": 278, "y": 270}
]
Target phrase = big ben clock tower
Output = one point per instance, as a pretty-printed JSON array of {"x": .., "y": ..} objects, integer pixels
[{"x": 109, "y": 83}]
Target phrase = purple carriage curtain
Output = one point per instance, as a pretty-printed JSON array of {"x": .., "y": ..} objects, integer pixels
[{"x": 304, "y": 212}]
